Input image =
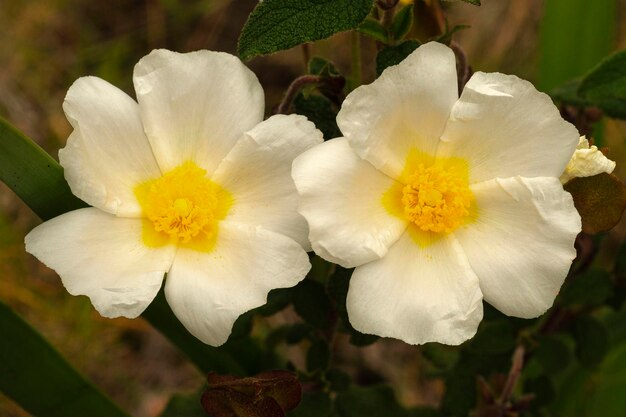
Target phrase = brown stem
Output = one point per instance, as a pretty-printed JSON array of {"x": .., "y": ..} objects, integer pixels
[
  {"x": 514, "y": 374},
  {"x": 461, "y": 65},
  {"x": 285, "y": 105}
]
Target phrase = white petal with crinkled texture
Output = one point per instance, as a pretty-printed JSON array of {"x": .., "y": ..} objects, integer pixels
[
  {"x": 504, "y": 127},
  {"x": 587, "y": 161},
  {"x": 195, "y": 106},
  {"x": 406, "y": 107},
  {"x": 257, "y": 174},
  {"x": 341, "y": 198},
  {"x": 417, "y": 294},
  {"x": 208, "y": 291},
  {"x": 108, "y": 153},
  {"x": 103, "y": 257},
  {"x": 522, "y": 243}
]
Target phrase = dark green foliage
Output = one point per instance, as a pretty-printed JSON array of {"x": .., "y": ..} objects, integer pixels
[
  {"x": 374, "y": 401},
  {"x": 592, "y": 341},
  {"x": 590, "y": 288},
  {"x": 35, "y": 375},
  {"x": 605, "y": 86},
  {"x": 183, "y": 406},
  {"x": 493, "y": 338},
  {"x": 375, "y": 30},
  {"x": 338, "y": 285},
  {"x": 320, "y": 111},
  {"x": 553, "y": 354},
  {"x": 312, "y": 304},
  {"x": 402, "y": 23},
  {"x": 314, "y": 404},
  {"x": 34, "y": 175},
  {"x": 318, "y": 355},
  {"x": 393, "y": 55},
  {"x": 275, "y": 25}
]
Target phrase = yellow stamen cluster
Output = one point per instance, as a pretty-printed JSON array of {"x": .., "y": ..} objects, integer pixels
[
  {"x": 182, "y": 204},
  {"x": 435, "y": 198}
]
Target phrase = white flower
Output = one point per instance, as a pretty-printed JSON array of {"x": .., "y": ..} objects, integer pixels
[
  {"x": 187, "y": 181},
  {"x": 586, "y": 162},
  {"x": 441, "y": 201}
]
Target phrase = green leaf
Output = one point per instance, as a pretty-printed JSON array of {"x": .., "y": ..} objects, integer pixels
[
  {"x": 585, "y": 393},
  {"x": 318, "y": 355},
  {"x": 338, "y": 285},
  {"x": 542, "y": 388},
  {"x": 338, "y": 379},
  {"x": 402, "y": 22},
  {"x": 393, "y": 55},
  {"x": 375, "y": 30},
  {"x": 184, "y": 406},
  {"x": 446, "y": 36},
  {"x": 275, "y": 25},
  {"x": 34, "y": 175},
  {"x": 38, "y": 180},
  {"x": 568, "y": 93},
  {"x": 313, "y": 404},
  {"x": 590, "y": 288},
  {"x": 374, "y": 401},
  {"x": 605, "y": 85},
  {"x": 493, "y": 338},
  {"x": 600, "y": 201},
  {"x": 574, "y": 36},
  {"x": 36, "y": 377},
  {"x": 552, "y": 354},
  {"x": 320, "y": 111},
  {"x": 312, "y": 304},
  {"x": 592, "y": 341}
]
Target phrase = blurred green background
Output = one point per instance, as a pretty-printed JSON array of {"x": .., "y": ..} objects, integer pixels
[{"x": 45, "y": 46}]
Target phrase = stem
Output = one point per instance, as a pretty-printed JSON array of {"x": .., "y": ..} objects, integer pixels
[
  {"x": 514, "y": 374},
  {"x": 306, "y": 55},
  {"x": 461, "y": 65},
  {"x": 356, "y": 59},
  {"x": 285, "y": 105}
]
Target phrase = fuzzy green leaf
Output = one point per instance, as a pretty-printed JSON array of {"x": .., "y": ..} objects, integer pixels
[
  {"x": 36, "y": 377},
  {"x": 402, "y": 22},
  {"x": 374, "y": 30},
  {"x": 275, "y": 25},
  {"x": 605, "y": 85},
  {"x": 393, "y": 55}
]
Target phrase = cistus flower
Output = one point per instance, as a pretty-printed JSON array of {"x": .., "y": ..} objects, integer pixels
[
  {"x": 442, "y": 201},
  {"x": 586, "y": 161},
  {"x": 187, "y": 181}
]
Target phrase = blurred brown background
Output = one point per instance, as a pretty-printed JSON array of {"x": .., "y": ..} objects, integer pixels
[{"x": 45, "y": 46}]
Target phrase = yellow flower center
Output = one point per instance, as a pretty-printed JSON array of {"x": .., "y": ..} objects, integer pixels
[
  {"x": 183, "y": 207},
  {"x": 432, "y": 194},
  {"x": 436, "y": 199}
]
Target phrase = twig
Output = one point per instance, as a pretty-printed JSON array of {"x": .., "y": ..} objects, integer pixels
[
  {"x": 514, "y": 374},
  {"x": 285, "y": 105}
]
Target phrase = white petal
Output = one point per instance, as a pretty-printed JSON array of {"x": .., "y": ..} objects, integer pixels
[
  {"x": 108, "y": 153},
  {"x": 522, "y": 243},
  {"x": 196, "y": 105},
  {"x": 257, "y": 172},
  {"x": 208, "y": 291},
  {"x": 587, "y": 161},
  {"x": 406, "y": 107},
  {"x": 102, "y": 256},
  {"x": 341, "y": 199},
  {"x": 504, "y": 127},
  {"x": 417, "y": 294}
]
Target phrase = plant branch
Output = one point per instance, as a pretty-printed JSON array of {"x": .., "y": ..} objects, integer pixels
[{"x": 285, "y": 105}]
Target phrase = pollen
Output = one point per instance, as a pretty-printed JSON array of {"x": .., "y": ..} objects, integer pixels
[
  {"x": 183, "y": 206},
  {"x": 432, "y": 194},
  {"x": 436, "y": 199}
]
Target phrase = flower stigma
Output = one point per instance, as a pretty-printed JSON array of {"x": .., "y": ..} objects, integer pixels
[
  {"x": 436, "y": 199},
  {"x": 183, "y": 206},
  {"x": 432, "y": 194}
]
